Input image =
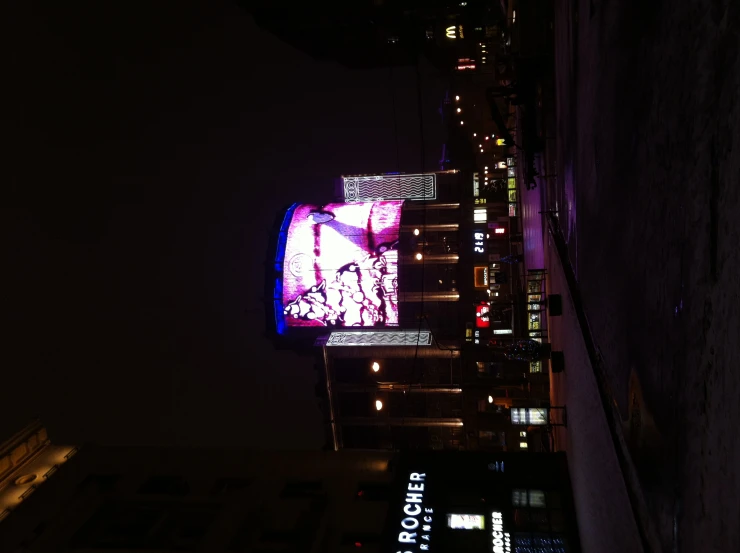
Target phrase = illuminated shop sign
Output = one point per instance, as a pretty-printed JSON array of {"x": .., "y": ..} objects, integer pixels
[
  {"x": 451, "y": 32},
  {"x": 476, "y": 185},
  {"x": 500, "y": 540},
  {"x": 483, "y": 315},
  {"x": 480, "y": 277},
  {"x": 479, "y": 242},
  {"x": 370, "y": 188},
  {"x": 529, "y": 416},
  {"x": 340, "y": 266},
  {"x": 466, "y": 522},
  {"x": 416, "y": 524},
  {"x": 480, "y": 215},
  {"x": 340, "y": 338}
]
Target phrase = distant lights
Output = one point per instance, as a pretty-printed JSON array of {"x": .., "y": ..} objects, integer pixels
[
  {"x": 375, "y": 366},
  {"x": 462, "y": 122},
  {"x": 416, "y": 232},
  {"x": 486, "y": 138},
  {"x": 490, "y": 399},
  {"x": 457, "y": 98},
  {"x": 378, "y": 404},
  {"x": 486, "y": 168},
  {"x": 459, "y": 110},
  {"x": 475, "y": 134},
  {"x": 418, "y": 256}
]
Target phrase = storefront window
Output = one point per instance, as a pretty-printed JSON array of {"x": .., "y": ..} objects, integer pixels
[{"x": 535, "y": 366}]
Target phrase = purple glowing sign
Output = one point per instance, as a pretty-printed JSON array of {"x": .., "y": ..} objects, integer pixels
[{"x": 341, "y": 265}]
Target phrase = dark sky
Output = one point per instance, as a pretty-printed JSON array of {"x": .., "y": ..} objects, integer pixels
[{"x": 152, "y": 145}]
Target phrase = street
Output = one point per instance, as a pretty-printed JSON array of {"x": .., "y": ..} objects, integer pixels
[{"x": 650, "y": 213}]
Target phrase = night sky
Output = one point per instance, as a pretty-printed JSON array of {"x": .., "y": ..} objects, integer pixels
[{"x": 152, "y": 146}]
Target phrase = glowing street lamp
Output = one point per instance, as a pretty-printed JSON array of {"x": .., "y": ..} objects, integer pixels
[
  {"x": 457, "y": 98},
  {"x": 375, "y": 366},
  {"x": 419, "y": 256},
  {"x": 416, "y": 232},
  {"x": 378, "y": 404},
  {"x": 462, "y": 122},
  {"x": 459, "y": 110},
  {"x": 490, "y": 399}
]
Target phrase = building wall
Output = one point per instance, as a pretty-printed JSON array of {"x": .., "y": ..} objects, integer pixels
[{"x": 211, "y": 500}]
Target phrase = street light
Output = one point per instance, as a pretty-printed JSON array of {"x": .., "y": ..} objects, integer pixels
[
  {"x": 462, "y": 122},
  {"x": 459, "y": 110},
  {"x": 419, "y": 256},
  {"x": 378, "y": 404},
  {"x": 457, "y": 98},
  {"x": 375, "y": 366},
  {"x": 490, "y": 399},
  {"x": 416, "y": 232}
]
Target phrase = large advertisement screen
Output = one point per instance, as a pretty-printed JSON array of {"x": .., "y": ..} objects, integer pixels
[{"x": 340, "y": 265}]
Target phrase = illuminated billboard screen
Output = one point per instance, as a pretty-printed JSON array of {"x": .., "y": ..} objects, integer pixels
[{"x": 340, "y": 265}]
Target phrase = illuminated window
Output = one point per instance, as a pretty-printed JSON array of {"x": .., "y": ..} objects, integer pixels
[
  {"x": 535, "y": 366},
  {"x": 523, "y": 434},
  {"x": 480, "y": 215},
  {"x": 523, "y": 445},
  {"x": 528, "y": 498}
]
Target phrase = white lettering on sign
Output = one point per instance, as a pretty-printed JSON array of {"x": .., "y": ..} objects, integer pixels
[
  {"x": 500, "y": 540},
  {"x": 414, "y": 515}
]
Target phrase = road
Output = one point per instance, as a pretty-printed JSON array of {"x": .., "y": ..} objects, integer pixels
[{"x": 647, "y": 169}]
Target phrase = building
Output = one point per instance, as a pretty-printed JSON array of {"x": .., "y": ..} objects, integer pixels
[
  {"x": 399, "y": 288},
  {"x": 165, "y": 499},
  {"x": 379, "y": 33}
]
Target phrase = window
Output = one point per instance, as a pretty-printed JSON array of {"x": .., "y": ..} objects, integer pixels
[
  {"x": 146, "y": 525},
  {"x": 301, "y": 488},
  {"x": 535, "y": 366},
  {"x": 373, "y": 491},
  {"x": 480, "y": 215},
  {"x": 528, "y": 498},
  {"x": 100, "y": 483},
  {"x": 224, "y": 486},
  {"x": 523, "y": 434},
  {"x": 542, "y": 543},
  {"x": 523, "y": 445},
  {"x": 164, "y": 485}
]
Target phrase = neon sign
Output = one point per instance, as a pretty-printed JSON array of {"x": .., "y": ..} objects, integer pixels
[
  {"x": 479, "y": 242},
  {"x": 416, "y": 524},
  {"x": 340, "y": 266},
  {"x": 500, "y": 540},
  {"x": 451, "y": 32}
]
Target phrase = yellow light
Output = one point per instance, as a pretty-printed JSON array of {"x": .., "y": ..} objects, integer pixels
[
  {"x": 419, "y": 256},
  {"x": 499, "y": 142},
  {"x": 378, "y": 404},
  {"x": 376, "y": 366},
  {"x": 523, "y": 445},
  {"x": 490, "y": 399},
  {"x": 416, "y": 232}
]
